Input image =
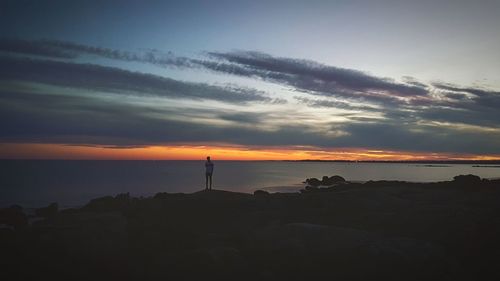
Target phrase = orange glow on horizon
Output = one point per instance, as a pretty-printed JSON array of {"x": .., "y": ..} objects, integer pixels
[{"x": 218, "y": 152}]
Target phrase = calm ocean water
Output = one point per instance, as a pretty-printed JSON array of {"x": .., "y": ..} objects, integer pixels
[{"x": 73, "y": 183}]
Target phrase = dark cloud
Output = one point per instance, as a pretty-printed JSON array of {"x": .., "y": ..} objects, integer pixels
[
  {"x": 471, "y": 114},
  {"x": 305, "y": 75},
  {"x": 312, "y": 73},
  {"x": 242, "y": 117},
  {"x": 393, "y": 135},
  {"x": 86, "y": 120},
  {"x": 27, "y": 47},
  {"x": 101, "y": 78},
  {"x": 70, "y": 50},
  {"x": 410, "y": 118},
  {"x": 456, "y": 96},
  {"x": 150, "y": 56},
  {"x": 482, "y": 97},
  {"x": 471, "y": 105},
  {"x": 413, "y": 81},
  {"x": 322, "y": 103},
  {"x": 476, "y": 91},
  {"x": 35, "y": 117}
]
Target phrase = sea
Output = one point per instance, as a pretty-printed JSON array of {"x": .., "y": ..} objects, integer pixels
[{"x": 72, "y": 183}]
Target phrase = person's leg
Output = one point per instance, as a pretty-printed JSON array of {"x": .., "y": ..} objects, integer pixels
[
  {"x": 210, "y": 181},
  {"x": 206, "y": 181}
]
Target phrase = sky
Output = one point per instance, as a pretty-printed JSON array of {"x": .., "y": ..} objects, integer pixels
[{"x": 250, "y": 80}]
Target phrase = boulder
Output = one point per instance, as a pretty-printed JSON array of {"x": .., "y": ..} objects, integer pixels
[
  {"x": 467, "y": 179},
  {"x": 260, "y": 193},
  {"x": 123, "y": 196},
  {"x": 166, "y": 195},
  {"x": 312, "y": 188},
  {"x": 313, "y": 181},
  {"x": 48, "y": 211},
  {"x": 108, "y": 203},
  {"x": 332, "y": 180},
  {"x": 325, "y": 180},
  {"x": 16, "y": 208},
  {"x": 13, "y": 216}
]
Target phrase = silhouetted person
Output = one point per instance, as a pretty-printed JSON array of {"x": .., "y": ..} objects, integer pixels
[{"x": 209, "y": 170}]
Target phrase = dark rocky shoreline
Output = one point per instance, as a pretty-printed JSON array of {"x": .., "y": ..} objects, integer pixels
[{"x": 378, "y": 230}]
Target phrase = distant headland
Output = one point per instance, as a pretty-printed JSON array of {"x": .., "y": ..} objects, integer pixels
[{"x": 472, "y": 162}]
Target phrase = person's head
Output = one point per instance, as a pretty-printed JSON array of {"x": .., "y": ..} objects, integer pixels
[{"x": 208, "y": 158}]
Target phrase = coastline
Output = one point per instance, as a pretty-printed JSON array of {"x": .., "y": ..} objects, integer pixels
[
  {"x": 74, "y": 183},
  {"x": 376, "y": 229}
]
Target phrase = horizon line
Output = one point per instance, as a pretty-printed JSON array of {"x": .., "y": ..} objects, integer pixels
[{"x": 269, "y": 160}]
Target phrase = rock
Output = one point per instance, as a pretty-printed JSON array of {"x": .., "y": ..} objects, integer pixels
[
  {"x": 16, "y": 207},
  {"x": 101, "y": 204},
  {"x": 166, "y": 195},
  {"x": 325, "y": 180},
  {"x": 337, "y": 178},
  {"x": 313, "y": 181},
  {"x": 332, "y": 180},
  {"x": 123, "y": 196},
  {"x": 311, "y": 189},
  {"x": 109, "y": 203},
  {"x": 13, "y": 216},
  {"x": 48, "y": 211},
  {"x": 467, "y": 179},
  {"x": 260, "y": 193}
]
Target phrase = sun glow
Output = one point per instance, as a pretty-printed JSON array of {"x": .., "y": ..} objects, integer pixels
[{"x": 219, "y": 152}]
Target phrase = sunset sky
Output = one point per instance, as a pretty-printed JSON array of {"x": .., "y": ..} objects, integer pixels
[{"x": 249, "y": 80}]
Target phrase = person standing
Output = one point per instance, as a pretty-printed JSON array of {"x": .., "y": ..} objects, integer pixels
[{"x": 209, "y": 170}]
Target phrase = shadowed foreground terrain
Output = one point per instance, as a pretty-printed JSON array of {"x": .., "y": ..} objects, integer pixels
[{"x": 381, "y": 230}]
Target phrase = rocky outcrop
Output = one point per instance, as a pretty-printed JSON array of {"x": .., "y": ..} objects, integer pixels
[
  {"x": 381, "y": 230},
  {"x": 313, "y": 182},
  {"x": 13, "y": 216},
  {"x": 47, "y": 212},
  {"x": 332, "y": 180},
  {"x": 467, "y": 179},
  {"x": 325, "y": 181},
  {"x": 260, "y": 192},
  {"x": 109, "y": 203}
]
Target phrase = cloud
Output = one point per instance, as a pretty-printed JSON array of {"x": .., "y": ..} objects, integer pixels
[
  {"x": 68, "y": 50},
  {"x": 101, "y": 78},
  {"x": 469, "y": 105},
  {"x": 390, "y": 134},
  {"x": 149, "y": 56},
  {"x": 242, "y": 117},
  {"x": 28, "y": 47},
  {"x": 381, "y": 113},
  {"x": 323, "y": 103},
  {"x": 314, "y": 76},
  {"x": 302, "y": 74},
  {"x": 76, "y": 120},
  {"x": 479, "y": 96},
  {"x": 36, "y": 117},
  {"x": 307, "y": 76}
]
